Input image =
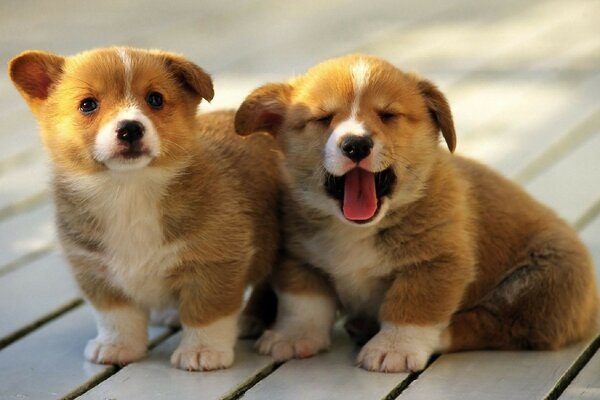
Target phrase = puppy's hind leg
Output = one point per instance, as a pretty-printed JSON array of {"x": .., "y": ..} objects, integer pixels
[{"x": 547, "y": 301}]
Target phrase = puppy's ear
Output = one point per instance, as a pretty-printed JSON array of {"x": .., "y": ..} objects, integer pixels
[
  {"x": 35, "y": 73},
  {"x": 191, "y": 77},
  {"x": 440, "y": 111},
  {"x": 264, "y": 109}
]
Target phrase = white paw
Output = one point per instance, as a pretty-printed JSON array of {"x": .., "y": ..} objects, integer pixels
[
  {"x": 284, "y": 346},
  {"x": 402, "y": 348},
  {"x": 202, "y": 359},
  {"x": 101, "y": 352}
]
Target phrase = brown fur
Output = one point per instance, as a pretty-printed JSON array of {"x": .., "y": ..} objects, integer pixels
[
  {"x": 219, "y": 203},
  {"x": 460, "y": 246}
]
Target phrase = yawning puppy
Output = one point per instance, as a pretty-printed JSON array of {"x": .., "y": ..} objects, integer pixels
[
  {"x": 425, "y": 250},
  {"x": 156, "y": 206}
]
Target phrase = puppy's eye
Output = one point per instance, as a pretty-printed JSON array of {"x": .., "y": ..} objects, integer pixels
[
  {"x": 325, "y": 120},
  {"x": 386, "y": 116},
  {"x": 88, "y": 106},
  {"x": 155, "y": 100}
]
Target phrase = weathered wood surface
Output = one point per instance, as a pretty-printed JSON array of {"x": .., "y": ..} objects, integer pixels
[{"x": 522, "y": 77}]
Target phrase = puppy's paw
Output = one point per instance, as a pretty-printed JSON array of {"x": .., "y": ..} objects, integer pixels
[
  {"x": 202, "y": 359},
  {"x": 104, "y": 352},
  {"x": 250, "y": 327},
  {"x": 283, "y": 346},
  {"x": 380, "y": 360},
  {"x": 399, "y": 348}
]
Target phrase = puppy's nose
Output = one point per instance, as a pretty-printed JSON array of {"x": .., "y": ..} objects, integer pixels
[
  {"x": 130, "y": 131},
  {"x": 357, "y": 148}
]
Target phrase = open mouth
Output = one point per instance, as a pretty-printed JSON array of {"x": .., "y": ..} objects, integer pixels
[{"x": 360, "y": 192}]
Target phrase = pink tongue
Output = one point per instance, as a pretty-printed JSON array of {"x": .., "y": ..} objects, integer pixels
[{"x": 360, "y": 199}]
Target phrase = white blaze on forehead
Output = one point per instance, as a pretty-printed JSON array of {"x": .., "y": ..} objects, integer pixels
[
  {"x": 126, "y": 60},
  {"x": 361, "y": 73}
]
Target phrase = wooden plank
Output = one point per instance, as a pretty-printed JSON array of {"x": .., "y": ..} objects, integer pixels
[
  {"x": 24, "y": 186},
  {"x": 571, "y": 185},
  {"x": 331, "y": 375},
  {"x": 492, "y": 375},
  {"x": 25, "y": 233},
  {"x": 154, "y": 378},
  {"x": 510, "y": 144},
  {"x": 31, "y": 293},
  {"x": 49, "y": 363},
  {"x": 587, "y": 383}
]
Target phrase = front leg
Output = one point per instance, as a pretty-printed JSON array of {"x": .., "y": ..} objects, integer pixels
[
  {"x": 122, "y": 336},
  {"x": 416, "y": 309},
  {"x": 305, "y": 313},
  {"x": 210, "y": 298},
  {"x": 122, "y": 327}
]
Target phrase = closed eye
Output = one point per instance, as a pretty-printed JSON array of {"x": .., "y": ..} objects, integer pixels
[
  {"x": 387, "y": 116},
  {"x": 324, "y": 120}
]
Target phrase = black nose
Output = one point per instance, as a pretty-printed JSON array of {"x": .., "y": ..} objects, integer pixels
[
  {"x": 130, "y": 131},
  {"x": 357, "y": 147}
]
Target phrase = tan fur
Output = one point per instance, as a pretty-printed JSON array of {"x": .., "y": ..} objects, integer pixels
[
  {"x": 202, "y": 215},
  {"x": 458, "y": 246}
]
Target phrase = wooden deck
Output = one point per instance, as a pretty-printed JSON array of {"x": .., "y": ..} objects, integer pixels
[{"x": 523, "y": 78}]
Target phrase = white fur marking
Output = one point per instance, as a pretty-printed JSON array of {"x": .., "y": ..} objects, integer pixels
[
  {"x": 106, "y": 147},
  {"x": 400, "y": 348},
  {"x": 302, "y": 329},
  {"x": 127, "y": 205},
  {"x": 207, "y": 348},
  {"x": 122, "y": 336},
  {"x": 360, "y": 78},
  {"x": 126, "y": 60},
  {"x": 335, "y": 162}
]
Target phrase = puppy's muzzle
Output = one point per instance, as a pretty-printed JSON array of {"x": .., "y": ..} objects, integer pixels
[{"x": 356, "y": 148}]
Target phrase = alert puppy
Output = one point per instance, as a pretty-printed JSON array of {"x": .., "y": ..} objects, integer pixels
[
  {"x": 156, "y": 206},
  {"x": 425, "y": 250}
]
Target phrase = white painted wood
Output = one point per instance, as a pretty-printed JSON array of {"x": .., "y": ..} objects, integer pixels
[
  {"x": 587, "y": 383},
  {"x": 155, "y": 378},
  {"x": 24, "y": 182},
  {"x": 492, "y": 375},
  {"x": 591, "y": 236},
  {"x": 26, "y": 233},
  {"x": 331, "y": 375},
  {"x": 33, "y": 291},
  {"x": 571, "y": 185},
  {"x": 49, "y": 363}
]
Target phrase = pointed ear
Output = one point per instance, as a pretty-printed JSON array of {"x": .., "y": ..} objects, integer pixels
[
  {"x": 191, "y": 77},
  {"x": 264, "y": 109},
  {"x": 35, "y": 73},
  {"x": 440, "y": 111}
]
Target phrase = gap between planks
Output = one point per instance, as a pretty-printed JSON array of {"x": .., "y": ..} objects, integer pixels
[{"x": 113, "y": 369}]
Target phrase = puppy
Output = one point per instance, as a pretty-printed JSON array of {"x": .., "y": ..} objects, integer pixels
[
  {"x": 427, "y": 251},
  {"x": 156, "y": 206}
]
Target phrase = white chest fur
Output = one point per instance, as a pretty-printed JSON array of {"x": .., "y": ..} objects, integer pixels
[
  {"x": 350, "y": 256},
  {"x": 127, "y": 205}
]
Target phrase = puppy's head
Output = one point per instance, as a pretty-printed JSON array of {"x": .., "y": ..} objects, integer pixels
[
  {"x": 116, "y": 108},
  {"x": 360, "y": 136}
]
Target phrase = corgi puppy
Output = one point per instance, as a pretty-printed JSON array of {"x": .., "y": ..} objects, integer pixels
[
  {"x": 424, "y": 251},
  {"x": 156, "y": 206}
]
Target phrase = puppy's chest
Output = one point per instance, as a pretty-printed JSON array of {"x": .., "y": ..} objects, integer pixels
[
  {"x": 360, "y": 270},
  {"x": 134, "y": 251}
]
